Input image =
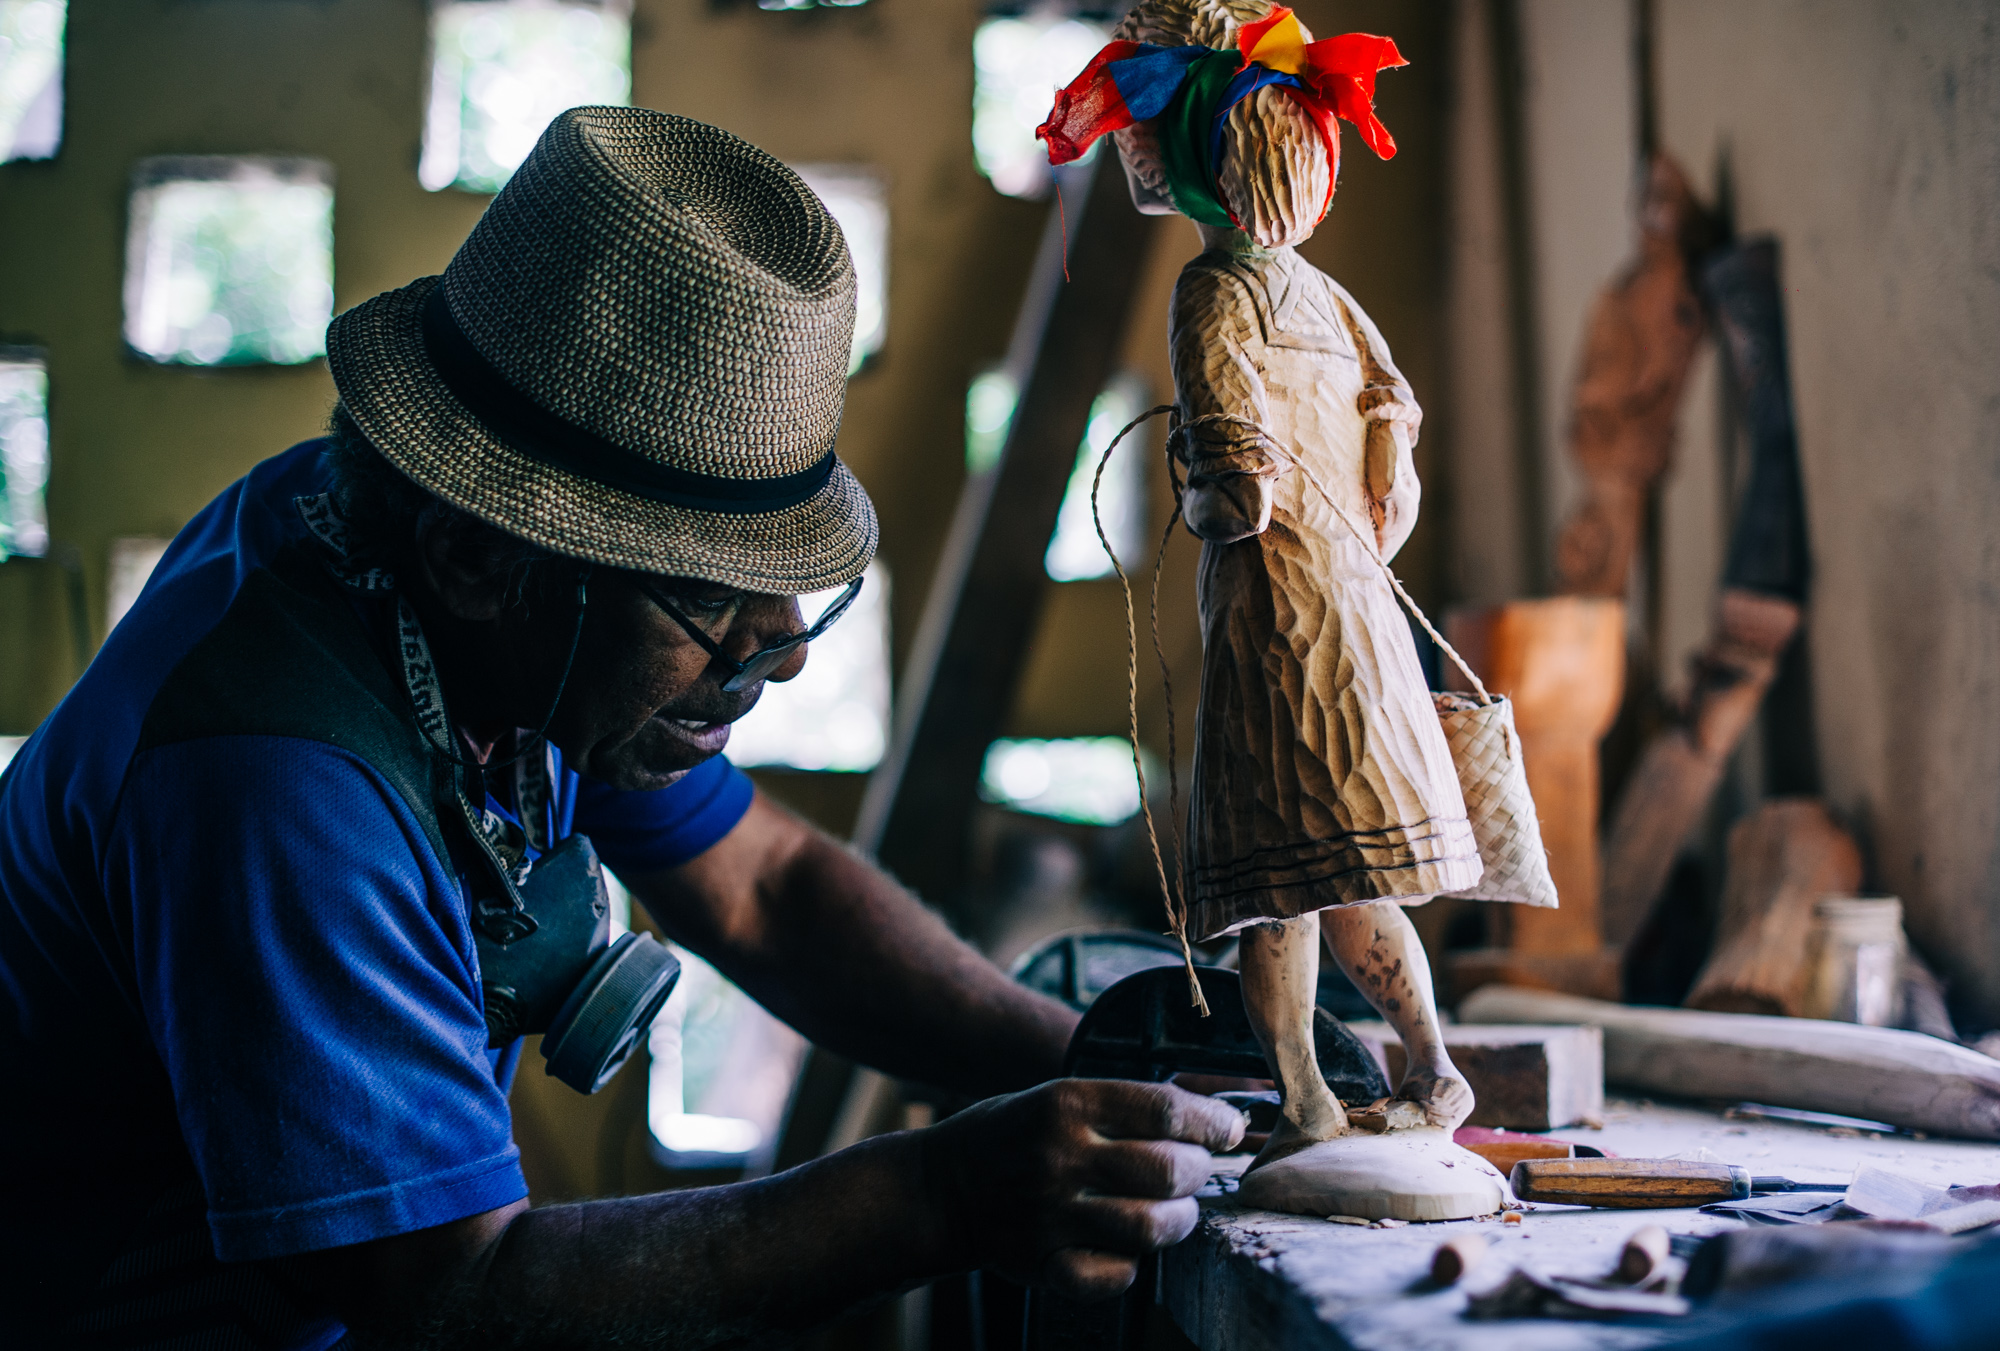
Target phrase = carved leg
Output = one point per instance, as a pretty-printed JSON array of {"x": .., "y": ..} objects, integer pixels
[
  {"x": 1377, "y": 946},
  {"x": 1314, "y": 1165},
  {"x": 1280, "y": 962}
]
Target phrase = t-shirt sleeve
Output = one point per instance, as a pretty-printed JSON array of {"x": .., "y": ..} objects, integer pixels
[
  {"x": 308, "y": 976},
  {"x": 646, "y": 832}
]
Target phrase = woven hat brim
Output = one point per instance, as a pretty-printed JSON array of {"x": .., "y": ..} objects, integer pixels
[{"x": 386, "y": 380}]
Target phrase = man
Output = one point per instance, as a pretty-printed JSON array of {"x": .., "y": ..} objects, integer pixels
[{"x": 262, "y": 865}]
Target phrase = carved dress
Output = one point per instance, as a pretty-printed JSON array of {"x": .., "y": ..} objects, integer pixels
[{"x": 1321, "y": 775}]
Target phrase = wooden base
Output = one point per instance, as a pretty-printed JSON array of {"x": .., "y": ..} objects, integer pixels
[
  {"x": 1525, "y": 1078},
  {"x": 1417, "y": 1175},
  {"x": 1592, "y": 974}
]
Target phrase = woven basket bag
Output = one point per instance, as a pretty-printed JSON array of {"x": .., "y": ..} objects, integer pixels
[{"x": 1486, "y": 752}]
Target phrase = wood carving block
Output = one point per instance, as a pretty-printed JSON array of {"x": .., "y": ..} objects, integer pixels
[{"x": 1525, "y": 1078}]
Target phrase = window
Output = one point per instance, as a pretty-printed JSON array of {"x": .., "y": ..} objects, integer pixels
[
  {"x": 835, "y": 714},
  {"x": 1018, "y": 64},
  {"x": 1087, "y": 779},
  {"x": 229, "y": 261},
  {"x": 31, "y": 78},
  {"x": 721, "y": 1073},
  {"x": 859, "y": 200},
  {"x": 500, "y": 72},
  {"x": 1074, "y": 552},
  {"x": 989, "y": 410},
  {"x": 24, "y": 452}
]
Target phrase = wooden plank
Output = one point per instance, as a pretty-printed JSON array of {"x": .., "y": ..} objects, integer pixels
[
  {"x": 1525, "y": 1078},
  {"x": 966, "y": 660},
  {"x": 1759, "y": 611},
  {"x": 1878, "y": 1073}
]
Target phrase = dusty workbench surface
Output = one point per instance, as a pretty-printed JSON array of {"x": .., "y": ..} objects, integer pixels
[{"x": 1250, "y": 1280}]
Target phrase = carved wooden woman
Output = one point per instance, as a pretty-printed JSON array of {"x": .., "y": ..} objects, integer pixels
[{"x": 1325, "y": 796}]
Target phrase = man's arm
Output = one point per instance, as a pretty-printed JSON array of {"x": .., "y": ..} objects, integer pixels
[
  {"x": 1062, "y": 1185},
  {"x": 833, "y": 945}
]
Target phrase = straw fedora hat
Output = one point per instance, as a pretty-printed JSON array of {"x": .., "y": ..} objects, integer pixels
[{"x": 637, "y": 358}]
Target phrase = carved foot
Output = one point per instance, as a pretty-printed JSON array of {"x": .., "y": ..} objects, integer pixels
[
  {"x": 1388, "y": 1114},
  {"x": 1439, "y": 1091},
  {"x": 1417, "y": 1175},
  {"x": 1287, "y": 1138}
]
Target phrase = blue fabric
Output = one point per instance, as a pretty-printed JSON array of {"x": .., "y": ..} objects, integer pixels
[
  {"x": 643, "y": 832},
  {"x": 1247, "y": 82},
  {"x": 1148, "y": 82},
  {"x": 237, "y": 961}
]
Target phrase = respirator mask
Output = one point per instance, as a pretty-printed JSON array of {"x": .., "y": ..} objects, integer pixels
[{"x": 547, "y": 965}]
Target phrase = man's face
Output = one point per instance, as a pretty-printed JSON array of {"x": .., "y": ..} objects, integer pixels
[{"x": 644, "y": 703}]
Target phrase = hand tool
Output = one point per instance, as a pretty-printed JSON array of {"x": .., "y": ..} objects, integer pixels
[{"x": 1645, "y": 1184}]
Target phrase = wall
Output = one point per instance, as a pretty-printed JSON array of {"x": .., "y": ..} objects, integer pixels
[
  {"x": 138, "y": 448},
  {"x": 1867, "y": 139}
]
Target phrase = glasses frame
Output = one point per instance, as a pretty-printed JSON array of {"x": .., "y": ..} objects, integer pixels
[{"x": 764, "y": 660}]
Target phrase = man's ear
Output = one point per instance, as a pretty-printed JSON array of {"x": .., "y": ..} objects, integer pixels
[{"x": 461, "y": 567}]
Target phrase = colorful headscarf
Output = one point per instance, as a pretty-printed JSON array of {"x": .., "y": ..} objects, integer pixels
[{"x": 1190, "y": 90}]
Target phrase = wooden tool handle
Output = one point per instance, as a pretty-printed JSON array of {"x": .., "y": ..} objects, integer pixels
[{"x": 1629, "y": 1184}]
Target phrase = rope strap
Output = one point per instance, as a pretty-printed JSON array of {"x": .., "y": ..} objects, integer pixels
[{"x": 1171, "y": 893}]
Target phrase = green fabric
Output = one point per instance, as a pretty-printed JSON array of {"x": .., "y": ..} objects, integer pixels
[{"x": 1184, "y": 136}]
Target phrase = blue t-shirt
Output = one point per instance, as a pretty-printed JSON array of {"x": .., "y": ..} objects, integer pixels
[{"x": 236, "y": 981}]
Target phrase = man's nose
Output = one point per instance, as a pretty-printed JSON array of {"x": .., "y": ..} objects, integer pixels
[{"x": 761, "y": 621}]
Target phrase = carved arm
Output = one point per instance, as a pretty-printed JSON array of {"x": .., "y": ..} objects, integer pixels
[
  {"x": 1389, "y": 464},
  {"x": 1219, "y": 386}
]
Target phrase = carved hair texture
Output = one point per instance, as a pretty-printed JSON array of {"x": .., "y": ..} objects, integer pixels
[{"x": 1274, "y": 169}]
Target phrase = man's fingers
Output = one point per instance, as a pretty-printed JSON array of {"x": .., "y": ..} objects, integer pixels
[
  {"x": 1124, "y": 1225},
  {"x": 1134, "y": 1111},
  {"x": 1158, "y": 1170},
  {"x": 1085, "y": 1274}
]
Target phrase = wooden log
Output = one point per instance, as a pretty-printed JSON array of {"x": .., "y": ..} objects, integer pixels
[
  {"x": 1562, "y": 662},
  {"x": 1878, "y": 1073},
  {"x": 1456, "y": 1256},
  {"x": 1783, "y": 858},
  {"x": 1524, "y": 1078}
]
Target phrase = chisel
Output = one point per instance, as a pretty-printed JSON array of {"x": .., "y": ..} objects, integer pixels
[{"x": 1645, "y": 1184}]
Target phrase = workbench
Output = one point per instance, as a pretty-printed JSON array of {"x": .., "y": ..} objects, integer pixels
[{"x": 1249, "y": 1280}]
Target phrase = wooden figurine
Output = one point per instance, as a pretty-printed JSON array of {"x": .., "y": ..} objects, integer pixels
[{"x": 1325, "y": 798}]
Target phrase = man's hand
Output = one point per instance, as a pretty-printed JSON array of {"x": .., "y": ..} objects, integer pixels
[
  {"x": 1065, "y": 1185},
  {"x": 1068, "y": 1184}
]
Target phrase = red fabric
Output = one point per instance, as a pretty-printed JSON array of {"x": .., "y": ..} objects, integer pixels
[
  {"x": 1342, "y": 69},
  {"x": 1088, "y": 108}
]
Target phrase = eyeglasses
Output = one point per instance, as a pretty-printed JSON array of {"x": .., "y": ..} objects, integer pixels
[{"x": 766, "y": 659}]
